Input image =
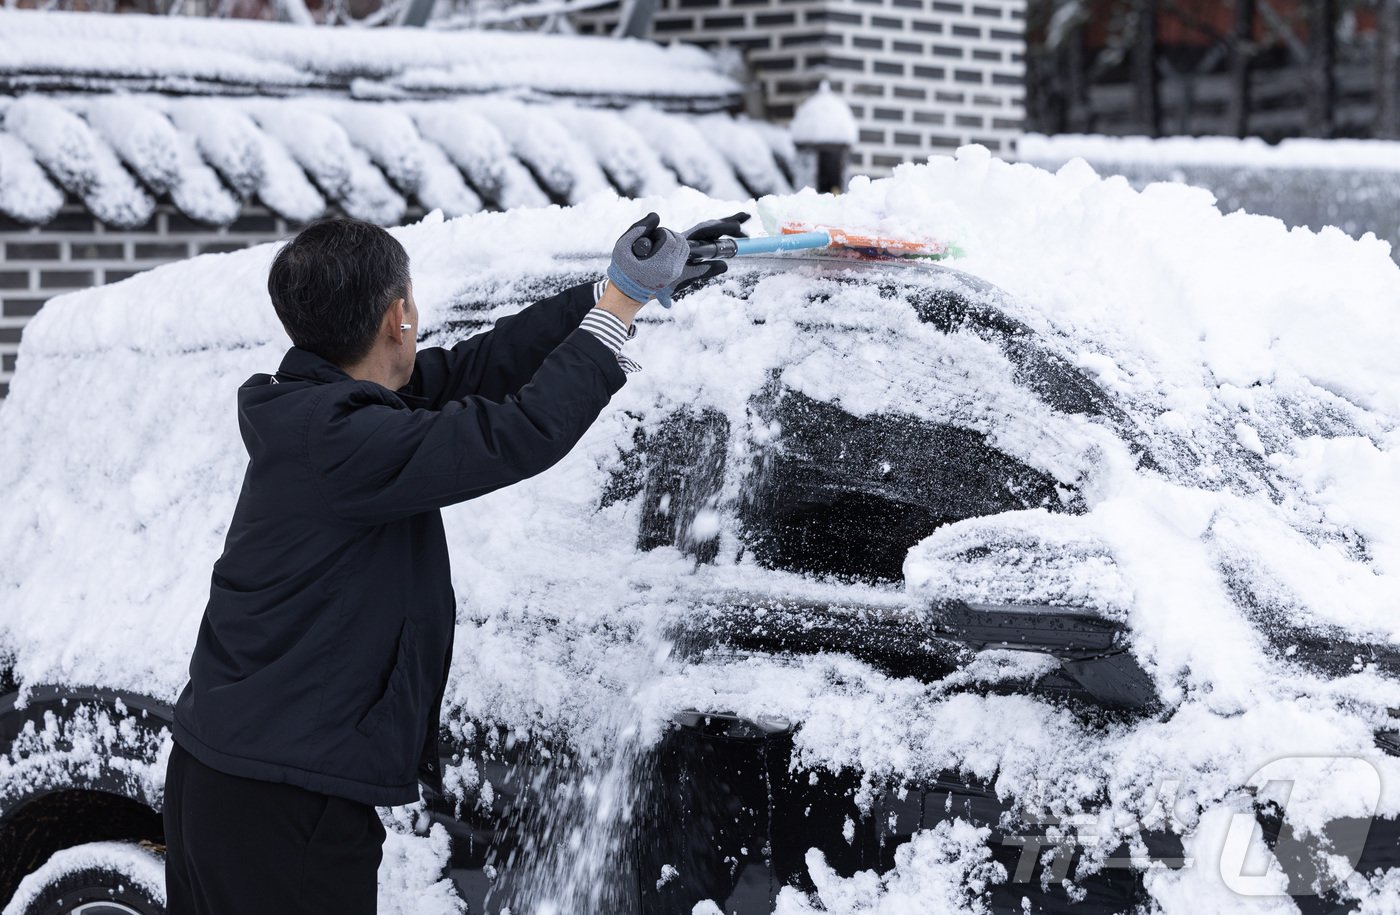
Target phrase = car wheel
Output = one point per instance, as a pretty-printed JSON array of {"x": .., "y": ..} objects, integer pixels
[{"x": 98, "y": 878}]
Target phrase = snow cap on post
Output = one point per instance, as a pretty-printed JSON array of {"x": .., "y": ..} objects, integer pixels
[{"x": 824, "y": 119}]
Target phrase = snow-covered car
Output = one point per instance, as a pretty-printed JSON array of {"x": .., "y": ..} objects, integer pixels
[{"x": 880, "y": 588}]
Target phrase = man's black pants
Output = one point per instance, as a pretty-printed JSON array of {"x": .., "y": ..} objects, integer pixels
[{"x": 237, "y": 846}]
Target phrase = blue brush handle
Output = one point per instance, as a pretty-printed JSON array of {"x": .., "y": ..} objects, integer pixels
[
  {"x": 735, "y": 247},
  {"x": 771, "y": 243}
]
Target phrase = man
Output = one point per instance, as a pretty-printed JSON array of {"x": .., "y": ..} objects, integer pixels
[{"x": 317, "y": 678}]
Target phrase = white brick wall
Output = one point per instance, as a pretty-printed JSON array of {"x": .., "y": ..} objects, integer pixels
[
  {"x": 921, "y": 76},
  {"x": 75, "y": 251}
]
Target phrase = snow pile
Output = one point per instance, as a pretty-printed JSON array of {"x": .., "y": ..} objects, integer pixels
[
  {"x": 1252, "y": 152},
  {"x": 1232, "y": 498},
  {"x": 824, "y": 118},
  {"x": 416, "y": 852},
  {"x": 1207, "y": 307},
  {"x": 1347, "y": 183},
  {"x": 1032, "y": 557},
  {"x": 944, "y": 869}
]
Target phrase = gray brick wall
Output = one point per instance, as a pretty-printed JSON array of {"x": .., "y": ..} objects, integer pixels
[{"x": 75, "y": 251}]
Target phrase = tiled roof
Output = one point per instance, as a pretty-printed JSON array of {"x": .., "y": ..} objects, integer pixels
[
  {"x": 118, "y": 154},
  {"x": 211, "y": 115}
]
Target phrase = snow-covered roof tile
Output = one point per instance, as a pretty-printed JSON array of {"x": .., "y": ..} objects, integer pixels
[
  {"x": 781, "y": 142},
  {"x": 89, "y": 51},
  {"x": 748, "y": 152},
  {"x": 26, "y": 193},
  {"x": 563, "y": 165},
  {"x": 143, "y": 137},
  {"x": 623, "y": 153},
  {"x": 387, "y": 134},
  {"x": 79, "y": 160},
  {"x": 687, "y": 152},
  {"x": 340, "y": 169},
  {"x": 248, "y": 159},
  {"x": 162, "y": 157},
  {"x": 199, "y": 193},
  {"x": 120, "y": 152},
  {"x": 477, "y": 148}
]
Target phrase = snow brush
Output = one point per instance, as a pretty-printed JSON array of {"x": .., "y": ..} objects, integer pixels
[{"x": 797, "y": 237}]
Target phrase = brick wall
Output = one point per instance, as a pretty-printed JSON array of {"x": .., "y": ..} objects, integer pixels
[
  {"x": 75, "y": 251},
  {"x": 921, "y": 76}
]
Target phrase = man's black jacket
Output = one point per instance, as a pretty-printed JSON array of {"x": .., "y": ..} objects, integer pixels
[{"x": 323, "y": 653}]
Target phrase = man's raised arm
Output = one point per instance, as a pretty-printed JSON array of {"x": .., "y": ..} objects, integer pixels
[
  {"x": 501, "y": 360},
  {"x": 498, "y": 362}
]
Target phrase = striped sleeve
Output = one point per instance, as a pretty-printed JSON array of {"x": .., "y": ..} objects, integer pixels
[
  {"x": 606, "y": 327},
  {"x": 609, "y": 329}
]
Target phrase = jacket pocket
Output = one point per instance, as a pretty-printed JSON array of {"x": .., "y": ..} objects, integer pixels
[{"x": 393, "y": 719}]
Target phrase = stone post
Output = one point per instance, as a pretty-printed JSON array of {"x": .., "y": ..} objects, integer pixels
[{"x": 823, "y": 130}]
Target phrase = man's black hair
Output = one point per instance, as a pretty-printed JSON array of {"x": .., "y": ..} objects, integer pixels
[{"x": 332, "y": 284}]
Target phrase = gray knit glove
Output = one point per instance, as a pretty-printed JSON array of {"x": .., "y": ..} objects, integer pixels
[{"x": 649, "y": 262}]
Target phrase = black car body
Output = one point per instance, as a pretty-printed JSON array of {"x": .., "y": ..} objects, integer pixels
[{"x": 829, "y": 498}]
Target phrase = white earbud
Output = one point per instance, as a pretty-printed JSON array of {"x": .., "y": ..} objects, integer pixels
[{"x": 405, "y": 327}]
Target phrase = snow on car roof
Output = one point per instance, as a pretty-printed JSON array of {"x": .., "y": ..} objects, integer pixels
[{"x": 1251, "y": 494}]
